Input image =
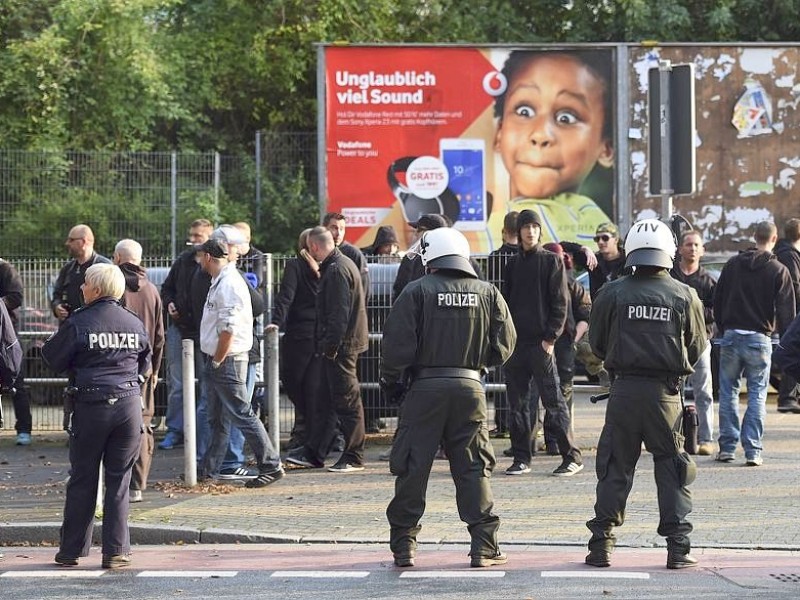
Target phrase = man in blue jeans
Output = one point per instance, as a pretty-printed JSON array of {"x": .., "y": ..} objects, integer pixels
[
  {"x": 754, "y": 297},
  {"x": 176, "y": 297},
  {"x": 226, "y": 336}
]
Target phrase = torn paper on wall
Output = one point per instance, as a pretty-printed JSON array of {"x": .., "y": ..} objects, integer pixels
[{"x": 752, "y": 114}]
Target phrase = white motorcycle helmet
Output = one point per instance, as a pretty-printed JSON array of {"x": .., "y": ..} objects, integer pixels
[
  {"x": 446, "y": 248},
  {"x": 650, "y": 243}
]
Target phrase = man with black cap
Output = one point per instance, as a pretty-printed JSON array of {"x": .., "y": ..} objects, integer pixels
[
  {"x": 535, "y": 287},
  {"x": 442, "y": 331},
  {"x": 226, "y": 336},
  {"x": 649, "y": 328}
]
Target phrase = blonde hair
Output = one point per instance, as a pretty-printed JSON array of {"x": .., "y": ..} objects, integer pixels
[
  {"x": 107, "y": 278},
  {"x": 302, "y": 241}
]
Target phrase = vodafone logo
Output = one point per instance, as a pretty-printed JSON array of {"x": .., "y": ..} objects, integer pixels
[{"x": 494, "y": 83}]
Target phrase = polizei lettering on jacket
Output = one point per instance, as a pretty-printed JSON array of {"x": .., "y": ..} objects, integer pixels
[
  {"x": 112, "y": 339},
  {"x": 457, "y": 299},
  {"x": 642, "y": 312}
]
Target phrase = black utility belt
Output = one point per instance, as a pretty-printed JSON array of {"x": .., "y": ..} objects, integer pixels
[{"x": 446, "y": 373}]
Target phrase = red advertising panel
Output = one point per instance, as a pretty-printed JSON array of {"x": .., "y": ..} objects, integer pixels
[{"x": 470, "y": 134}]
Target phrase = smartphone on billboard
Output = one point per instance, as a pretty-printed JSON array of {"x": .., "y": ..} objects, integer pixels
[{"x": 465, "y": 160}]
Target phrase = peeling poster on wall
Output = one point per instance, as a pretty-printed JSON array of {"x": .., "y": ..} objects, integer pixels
[{"x": 752, "y": 114}]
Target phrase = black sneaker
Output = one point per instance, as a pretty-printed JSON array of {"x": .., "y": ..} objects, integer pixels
[
  {"x": 237, "y": 473},
  {"x": 265, "y": 479},
  {"x": 66, "y": 561},
  {"x": 343, "y": 466},
  {"x": 499, "y": 433},
  {"x": 301, "y": 459},
  {"x": 489, "y": 561},
  {"x": 792, "y": 407},
  {"x": 518, "y": 468},
  {"x": 679, "y": 560},
  {"x": 568, "y": 468}
]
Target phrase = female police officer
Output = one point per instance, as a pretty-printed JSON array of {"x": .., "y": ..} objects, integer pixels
[
  {"x": 105, "y": 350},
  {"x": 650, "y": 330},
  {"x": 442, "y": 330}
]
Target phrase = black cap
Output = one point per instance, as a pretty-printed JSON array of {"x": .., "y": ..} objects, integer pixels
[
  {"x": 526, "y": 217},
  {"x": 214, "y": 247},
  {"x": 429, "y": 222}
]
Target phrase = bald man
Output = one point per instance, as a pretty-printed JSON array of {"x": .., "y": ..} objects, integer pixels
[{"x": 67, "y": 290}]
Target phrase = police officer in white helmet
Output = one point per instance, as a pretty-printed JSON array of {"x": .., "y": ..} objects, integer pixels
[
  {"x": 442, "y": 331},
  {"x": 649, "y": 330}
]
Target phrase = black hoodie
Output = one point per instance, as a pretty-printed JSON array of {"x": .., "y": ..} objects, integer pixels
[
  {"x": 790, "y": 258},
  {"x": 754, "y": 293}
]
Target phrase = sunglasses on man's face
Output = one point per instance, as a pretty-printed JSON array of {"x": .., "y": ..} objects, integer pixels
[{"x": 602, "y": 238}]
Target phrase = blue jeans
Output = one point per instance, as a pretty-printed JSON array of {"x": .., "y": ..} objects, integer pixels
[
  {"x": 174, "y": 418},
  {"x": 229, "y": 404},
  {"x": 703, "y": 396},
  {"x": 235, "y": 457},
  {"x": 750, "y": 354}
]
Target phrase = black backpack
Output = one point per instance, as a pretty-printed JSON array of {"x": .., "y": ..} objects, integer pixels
[{"x": 10, "y": 350}]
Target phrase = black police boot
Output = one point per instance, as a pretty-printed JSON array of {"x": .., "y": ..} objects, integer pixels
[
  {"x": 598, "y": 558},
  {"x": 678, "y": 557}
]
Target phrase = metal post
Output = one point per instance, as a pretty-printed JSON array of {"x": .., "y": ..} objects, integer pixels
[
  {"x": 272, "y": 391},
  {"x": 271, "y": 346},
  {"x": 664, "y": 72},
  {"x": 258, "y": 178},
  {"x": 98, "y": 502},
  {"x": 189, "y": 415}
]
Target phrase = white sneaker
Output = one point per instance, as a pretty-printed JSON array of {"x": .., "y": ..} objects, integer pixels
[{"x": 136, "y": 495}]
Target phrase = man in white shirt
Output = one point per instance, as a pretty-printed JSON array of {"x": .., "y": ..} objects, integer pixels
[{"x": 226, "y": 336}]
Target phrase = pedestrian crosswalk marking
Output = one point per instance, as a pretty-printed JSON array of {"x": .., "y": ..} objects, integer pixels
[
  {"x": 452, "y": 574},
  {"x": 55, "y": 573},
  {"x": 597, "y": 574},
  {"x": 322, "y": 574},
  {"x": 201, "y": 574}
]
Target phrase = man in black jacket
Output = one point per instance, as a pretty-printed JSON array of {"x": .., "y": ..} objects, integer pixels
[
  {"x": 341, "y": 335},
  {"x": 176, "y": 297},
  {"x": 754, "y": 297},
  {"x": 337, "y": 224},
  {"x": 788, "y": 252},
  {"x": 535, "y": 287}
]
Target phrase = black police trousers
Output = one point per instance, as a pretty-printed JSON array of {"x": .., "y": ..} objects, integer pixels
[
  {"x": 642, "y": 410},
  {"x": 452, "y": 410},
  {"x": 110, "y": 433}
]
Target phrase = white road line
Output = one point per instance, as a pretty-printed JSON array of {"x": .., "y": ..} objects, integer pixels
[
  {"x": 597, "y": 574},
  {"x": 54, "y": 574},
  {"x": 322, "y": 574},
  {"x": 452, "y": 574},
  {"x": 189, "y": 574}
]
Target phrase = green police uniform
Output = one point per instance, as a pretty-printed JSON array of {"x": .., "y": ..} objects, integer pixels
[
  {"x": 442, "y": 330},
  {"x": 650, "y": 330}
]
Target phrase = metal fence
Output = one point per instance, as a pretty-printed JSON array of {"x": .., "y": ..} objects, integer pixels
[
  {"x": 149, "y": 196},
  {"x": 37, "y": 323}
]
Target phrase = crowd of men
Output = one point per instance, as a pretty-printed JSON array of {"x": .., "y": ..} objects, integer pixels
[{"x": 212, "y": 297}]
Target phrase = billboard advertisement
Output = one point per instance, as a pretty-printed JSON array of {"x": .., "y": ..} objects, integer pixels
[{"x": 470, "y": 133}]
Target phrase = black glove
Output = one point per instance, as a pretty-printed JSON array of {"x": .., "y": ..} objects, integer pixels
[{"x": 394, "y": 391}]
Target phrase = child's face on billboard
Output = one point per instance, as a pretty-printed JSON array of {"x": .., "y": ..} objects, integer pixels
[{"x": 551, "y": 132}]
